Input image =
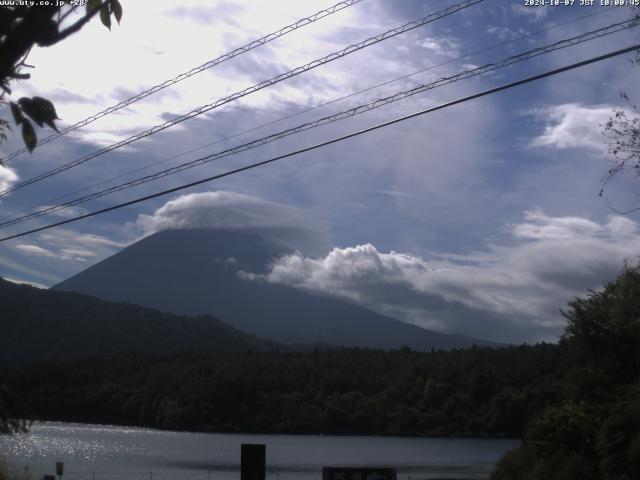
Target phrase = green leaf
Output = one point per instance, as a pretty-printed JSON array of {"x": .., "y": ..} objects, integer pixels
[
  {"x": 47, "y": 111},
  {"x": 92, "y": 5},
  {"x": 17, "y": 114},
  {"x": 29, "y": 135},
  {"x": 105, "y": 17},
  {"x": 40, "y": 110},
  {"x": 117, "y": 10},
  {"x": 30, "y": 109}
]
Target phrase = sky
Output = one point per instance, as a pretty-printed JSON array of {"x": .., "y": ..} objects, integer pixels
[{"x": 482, "y": 218}]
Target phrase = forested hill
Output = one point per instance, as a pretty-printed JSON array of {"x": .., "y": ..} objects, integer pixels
[
  {"x": 475, "y": 392},
  {"x": 38, "y": 323}
]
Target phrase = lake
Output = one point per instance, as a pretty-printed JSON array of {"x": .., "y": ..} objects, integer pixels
[{"x": 101, "y": 452}]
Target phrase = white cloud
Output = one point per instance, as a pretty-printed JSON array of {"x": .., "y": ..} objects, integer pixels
[
  {"x": 534, "y": 14},
  {"x": 394, "y": 193},
  {"x": 343, "y": 271},
  {"x": 574, "y": 126},
  {"x": 30, "y": 249},
  {"x": 291, "y": 226},
  {"x": 505, "y": 33},
  {"x": 552, "y": 260},
  {"x": 538, "y": 226},
  {"x": 7, "y": 177},
  {"x": 445, "y": 46},
  {"x": 90, "y": 239},
  {"x": 21, "y": 268},
  {"x": 67, "y": 245},
  {"x": 68, "y": 212},
  {"x": 71, "y": 253},
  {"x": 23, "y": 282}
]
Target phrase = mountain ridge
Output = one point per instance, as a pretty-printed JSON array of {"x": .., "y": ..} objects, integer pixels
[{"x": 38, "y": 323}]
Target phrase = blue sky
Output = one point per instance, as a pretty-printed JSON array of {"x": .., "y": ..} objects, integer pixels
[{"x": 481, "y": 219}]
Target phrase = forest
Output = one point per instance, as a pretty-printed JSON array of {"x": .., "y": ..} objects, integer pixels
[{"x": 475, "y": 392}]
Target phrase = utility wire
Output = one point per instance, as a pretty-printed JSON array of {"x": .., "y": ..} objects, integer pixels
[
  {"x": 201, "y": 68},
  {"x": 584, "y": 37},
  {"x": 267, "y": 83},
  {"x": 293, "y": 115},
  {"x": 332, "y": 141}
]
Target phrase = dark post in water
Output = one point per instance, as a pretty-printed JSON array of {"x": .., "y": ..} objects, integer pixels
[{"x": 253, "y": 461}]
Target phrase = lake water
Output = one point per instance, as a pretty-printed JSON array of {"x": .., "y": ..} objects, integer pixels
[{"x": 100, "y": 452}]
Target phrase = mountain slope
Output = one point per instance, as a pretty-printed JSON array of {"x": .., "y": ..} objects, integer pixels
[
  {"x": 195, "y": 272},
  {"x": 39, "y": 323}
]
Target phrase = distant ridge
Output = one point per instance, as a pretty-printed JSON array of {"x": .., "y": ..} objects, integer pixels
[
  {"x": 195, "y": 272},
  {"x": 39, "y": 324}
]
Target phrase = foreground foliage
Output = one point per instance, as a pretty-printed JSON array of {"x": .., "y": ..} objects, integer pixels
[
  {"x": 25, "y": 25},
  {"x": 594, "y": 431}
]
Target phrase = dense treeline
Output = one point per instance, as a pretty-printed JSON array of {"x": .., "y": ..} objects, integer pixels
[
  {"x": 38, "y": 323},
  {"x": 474, "y": 392},
  {"x": 592, "y": 431}
]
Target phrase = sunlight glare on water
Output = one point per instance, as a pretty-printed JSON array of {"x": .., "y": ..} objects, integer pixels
[{"x": 95, "y": 452}]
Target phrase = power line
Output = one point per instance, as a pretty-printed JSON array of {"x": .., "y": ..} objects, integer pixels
[
  {"x": 267, "y": 83},
  {"x": 201, "y": 68},
  {"x": 332, "y": 141},
  {"x": 470, "y": 73},
  {"x": 8, "y": 220}
]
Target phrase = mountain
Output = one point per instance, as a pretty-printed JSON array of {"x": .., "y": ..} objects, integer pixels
[
  {"x": 37, "y": 324},
  {"x": 195, "y": 272}
]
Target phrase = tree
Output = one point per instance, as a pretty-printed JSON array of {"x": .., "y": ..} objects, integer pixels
[
  {"x": 13, "y": 412},
  {"x": 592, "y": 432},
  {"x": 604, "y": 327},
  {"x": 623, "y": 130},
  {"x": 21, "y": 28}
]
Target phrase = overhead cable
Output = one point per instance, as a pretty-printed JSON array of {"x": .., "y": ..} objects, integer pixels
[
  {"x": 470, "y": 73},
  {"x": 329, "y": 142},
  {"x": 194, "y": 71},
  {"x": 267, "y": 83},
  {"x": 310, "y": 109}
]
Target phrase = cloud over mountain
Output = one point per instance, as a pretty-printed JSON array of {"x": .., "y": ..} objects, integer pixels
[
  {"x": 523, "y": 285},
  {"x": 288, "y": 225}
]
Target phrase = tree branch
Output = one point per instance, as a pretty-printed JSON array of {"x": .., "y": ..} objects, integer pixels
[{"x": 76, "y": 26}]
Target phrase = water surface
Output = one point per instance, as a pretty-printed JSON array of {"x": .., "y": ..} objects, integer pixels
[{"x": 101, "y": 452}]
